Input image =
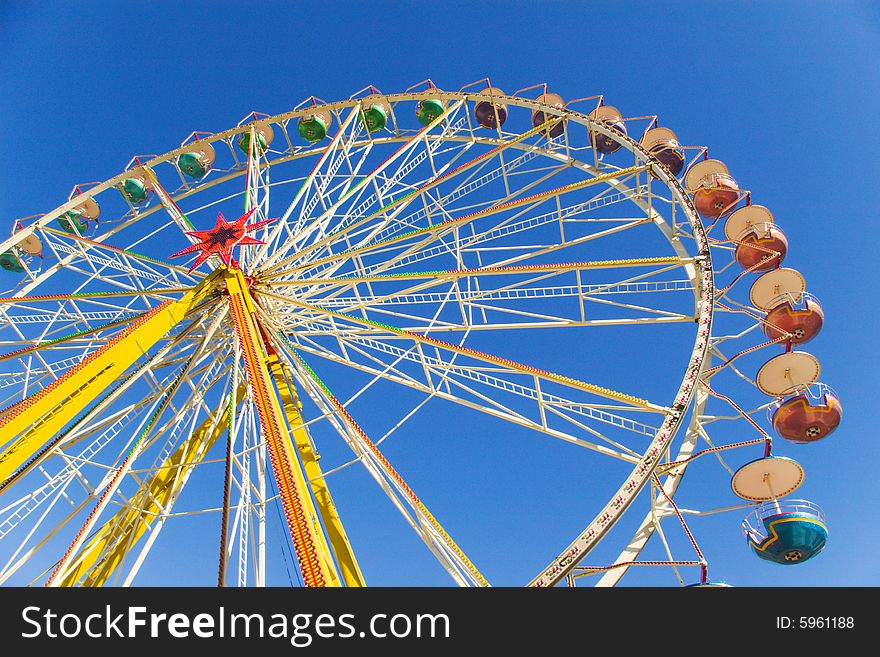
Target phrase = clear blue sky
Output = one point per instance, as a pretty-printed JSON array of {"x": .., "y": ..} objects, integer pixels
[{"x": 786, "y": 93}]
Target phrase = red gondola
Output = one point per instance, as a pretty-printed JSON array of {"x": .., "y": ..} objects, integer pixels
[
  {"x": 809, "y": 415},
  {"x": 800, "y": 318},
  {"x": 761, "y": 248}
]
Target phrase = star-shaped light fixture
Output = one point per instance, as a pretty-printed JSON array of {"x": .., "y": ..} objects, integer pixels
[{"x": 221, "y": 238}]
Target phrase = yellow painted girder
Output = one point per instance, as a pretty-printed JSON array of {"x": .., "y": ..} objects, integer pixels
[
  {"x": 348, "y": 565},
  {"x": 28, "y": 425},
  {"x": 105, "y": 551},
  {"x": 309, "y": 542}
]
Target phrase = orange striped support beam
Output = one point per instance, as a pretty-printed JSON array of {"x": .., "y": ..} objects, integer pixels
[
  {"x": 310, "y": 545},
  {"x": 348, "y": 566}
]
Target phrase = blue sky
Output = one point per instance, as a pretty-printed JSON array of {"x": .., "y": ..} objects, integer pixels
[{"x": 786, "y": 93}]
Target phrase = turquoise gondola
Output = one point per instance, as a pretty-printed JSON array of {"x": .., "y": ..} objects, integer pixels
[
  {"x": 73, "y": 222},
  {"x": 788, "y": 532},
  {"x": 134, "y": 190},
  {"x": 11, "y": 261}
]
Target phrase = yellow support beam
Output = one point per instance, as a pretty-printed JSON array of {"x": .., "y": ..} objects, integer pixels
[
  {"x": 348, "y": 565},
  {"x": 309, "y": 542},
  {"x": 27, "y": 426},
  {"x": 106, "y": 550}
]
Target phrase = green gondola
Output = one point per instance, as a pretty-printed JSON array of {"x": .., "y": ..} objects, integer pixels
[
  {"x": 373, "y": 118},
  {"x": 244, "y": 142},
  {"x": 428, "y": 110},
  {"x": 312, "y": 128}
]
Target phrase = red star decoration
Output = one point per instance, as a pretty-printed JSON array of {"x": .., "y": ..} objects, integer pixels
[{"x": 221, "y": 238}]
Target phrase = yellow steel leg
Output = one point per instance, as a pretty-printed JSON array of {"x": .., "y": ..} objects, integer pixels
[
  {"x": 25, "y": 427},
  {"x": 121, "y": 532},
  {"x": 309, "y": 543},
  {"x": 348, "y": 566}
]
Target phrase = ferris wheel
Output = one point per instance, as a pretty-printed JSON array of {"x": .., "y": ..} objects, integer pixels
[{"x": 225, "y": 358}]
